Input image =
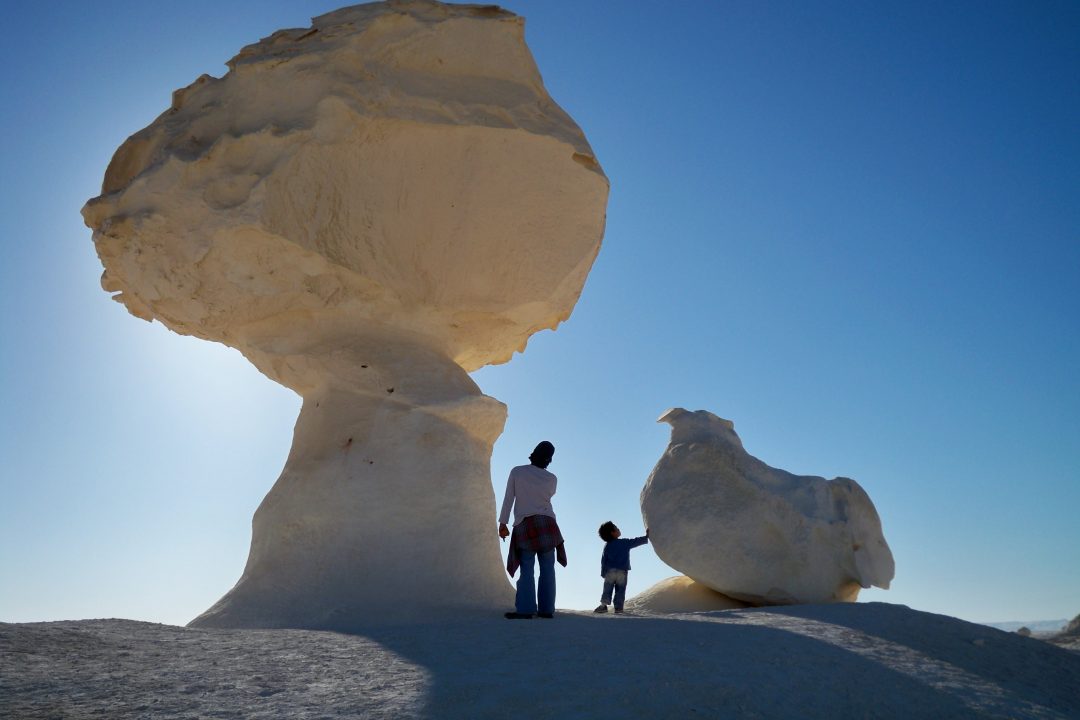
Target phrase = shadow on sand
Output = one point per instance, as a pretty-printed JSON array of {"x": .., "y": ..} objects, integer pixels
[{"x": 850, "y": 661}]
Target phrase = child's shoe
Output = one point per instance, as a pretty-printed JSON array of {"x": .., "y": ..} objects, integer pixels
[
  {"x": 618, "y": 611},
  {"x": 601, "y": 609}
]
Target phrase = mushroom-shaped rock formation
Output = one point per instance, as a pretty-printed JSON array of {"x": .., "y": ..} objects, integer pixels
[
  {"x": 680, "y": 594},
  {"x": 756, "y": 533},
  {"x": 367, "y": 209}
]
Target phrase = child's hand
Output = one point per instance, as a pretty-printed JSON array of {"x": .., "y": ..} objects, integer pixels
[{"x": 646, "y": 532}]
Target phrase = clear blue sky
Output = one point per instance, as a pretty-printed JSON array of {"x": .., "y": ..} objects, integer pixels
[{"x": 852, "y": 228}]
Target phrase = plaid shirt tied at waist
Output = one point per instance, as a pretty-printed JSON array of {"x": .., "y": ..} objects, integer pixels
[{"x": 538, "y": 533}]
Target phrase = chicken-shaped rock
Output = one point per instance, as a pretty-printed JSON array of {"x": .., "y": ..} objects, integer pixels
[{"x": 756, "y": 533}]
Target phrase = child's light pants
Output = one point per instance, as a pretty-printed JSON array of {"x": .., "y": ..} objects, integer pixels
[{"x": 614, "y": 580}]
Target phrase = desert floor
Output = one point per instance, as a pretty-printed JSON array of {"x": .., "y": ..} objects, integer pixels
[{"x": 866, "y": 660}]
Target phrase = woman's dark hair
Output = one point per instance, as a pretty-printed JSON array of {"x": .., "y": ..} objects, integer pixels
[
  {"x": 605, "y": 531},
  {"x": 541, "y": 456}
]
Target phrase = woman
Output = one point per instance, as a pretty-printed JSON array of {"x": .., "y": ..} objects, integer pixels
[{"x": 536, "y": 535}]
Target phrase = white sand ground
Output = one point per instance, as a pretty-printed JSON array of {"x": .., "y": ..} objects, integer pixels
[{"x": 867, "y": 660}]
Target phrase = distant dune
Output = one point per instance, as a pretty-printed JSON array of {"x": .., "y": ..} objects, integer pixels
[
  {"x": 1036, "y": 626},
  {"x": 813, "y": 661}
]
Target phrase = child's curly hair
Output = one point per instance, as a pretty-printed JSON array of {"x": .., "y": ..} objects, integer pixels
[{"x": 606, "y": 530}]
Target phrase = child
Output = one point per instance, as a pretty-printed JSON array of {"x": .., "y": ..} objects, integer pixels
[{"x": 615, "y": 564}]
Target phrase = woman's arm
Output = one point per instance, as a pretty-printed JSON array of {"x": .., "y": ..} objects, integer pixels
[{"x": 507, "y": 504}]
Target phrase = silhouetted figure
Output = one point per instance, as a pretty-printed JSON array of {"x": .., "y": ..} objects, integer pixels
[
  {"x": 536, "y": 535},
  {"x": 615, "y": 564}
]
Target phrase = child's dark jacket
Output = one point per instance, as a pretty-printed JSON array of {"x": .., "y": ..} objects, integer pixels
[{"x": 617, "y": 553}]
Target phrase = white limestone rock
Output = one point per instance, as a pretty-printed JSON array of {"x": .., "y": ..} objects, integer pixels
[
  {"x": 367, "y": 209},
  {"x": 757, "y": 533},
  {"x": 1069, "y": 637},
  {"x": 680, "y": 594}
]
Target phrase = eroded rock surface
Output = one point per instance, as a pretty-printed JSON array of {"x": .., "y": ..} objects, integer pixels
[
  {"x": 680, "y": 594},
  {"x": 754, "y": 532},
  {"x": 1070, "y": 636},
  {"x": 367, "y": 209}
]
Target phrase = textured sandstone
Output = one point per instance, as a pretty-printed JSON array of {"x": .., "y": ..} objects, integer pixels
[
  {"x": 756, "y": 533},
  {"x": 367, "y": 209},
  {"x": 680, "y": 594}
]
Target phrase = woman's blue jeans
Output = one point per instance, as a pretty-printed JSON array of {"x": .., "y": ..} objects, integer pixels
[{"x": 530, "y": 596}]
